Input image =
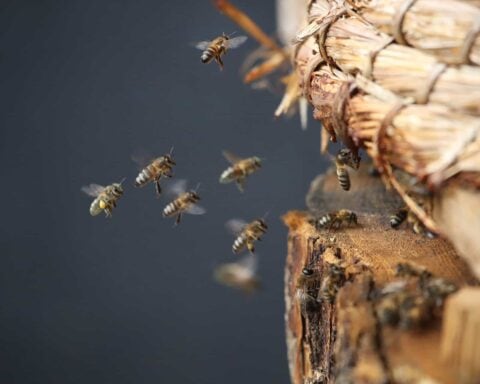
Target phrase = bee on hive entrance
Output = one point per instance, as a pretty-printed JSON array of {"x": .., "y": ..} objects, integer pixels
[
  {"x": 343, "y": 159},
  {"x": 241, "y": 274},
  {"x": 240, "y": 169},
  {"x": 154, "y": 170},
  {"x": 218, "y": 47},
  {"x": 398, "y": 217},
  {"x": 336, "y": 219},
  {"x": 105, "y": 197},
  {"x": 185, "y": 202},
  {"x": 247, "y": 233}
]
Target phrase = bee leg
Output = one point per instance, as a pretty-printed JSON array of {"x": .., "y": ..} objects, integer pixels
[
  {"x": 218, "y": 59},
  {"x": 241, "y": 184},
  {"x": 157, "y": 187},
  {"x": 179, "y": 217},
  {"x": 251, "y": 247}
]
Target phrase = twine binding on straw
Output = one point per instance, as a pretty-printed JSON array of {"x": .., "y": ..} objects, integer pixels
[
  {"x": 397, "y": 21},
  {"x": 386, "y": 169},
  {"x": 322, "y": 37},
  {"x": 338, "y": 116},
  {"x": 469, "y": 40},
  {"x": 373, "y": 55},
  {"x": 311, "y": 67},
  {"x": 424, "y": 92}
]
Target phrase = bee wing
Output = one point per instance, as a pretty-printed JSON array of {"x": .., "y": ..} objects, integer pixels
[
  {"x": 249, "y": 263},
  {"x": 177, "y": 187},
  {"x": 141, "y": 157},
  {"x": 235, "y": 226},
  {"x": 202, "y": 45},
  {"x": 231, "y": 157},
  {"x": 195, "y": 210},
  {"x": 93, "y": 189},
  {"x": 236, "y": 42}
]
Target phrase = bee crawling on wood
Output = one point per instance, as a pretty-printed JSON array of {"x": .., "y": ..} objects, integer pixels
[
  {"x": 154, "y": 170},
  {"x": 217, "y": 47},
  {"x": 343, "y": 159},
  {"x": 306, "y": 290},
  {"x": 105, "y": 197},
  {"x": 240, "y": 169},
  {"x": 247, "y": 233},
  {"x": 241, "y": 274},
  {"x": 411, "y": 270},
  {"x": 336, "y": 219},
  {"x": 185, "y": 202},
  {"x": 331, "y": 282},
  {"x": 398, "y": 217}
]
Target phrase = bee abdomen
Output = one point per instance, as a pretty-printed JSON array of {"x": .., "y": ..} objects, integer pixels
[
  {"x": 171, "y": 209},
  {"x": 398, "y": 218},
  {"x": 143, "y": 178},
  {"x": 228, "y": 175},
  {"x": 94, "y": 207},
  {"x": 239, "y": 243},
  {"x": 343, "y": 178},
  {"x": 324, "y": 220},
  {"x": 208, "y": 54}
]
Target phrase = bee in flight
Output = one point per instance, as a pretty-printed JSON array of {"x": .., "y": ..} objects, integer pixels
[
  {"x": 247, "y": 233},
  {"x": 217, "y": 47},
  {"x": 241, "y": 274},
  {"x": 185, "y": 201},
  {"x": 345, "y": 158},
  {"x": 155, "y": 169},
  {"x": 105, "y": 197},
  {"x": 336, "y": 219},
  {"x": 240, "y": 169}
]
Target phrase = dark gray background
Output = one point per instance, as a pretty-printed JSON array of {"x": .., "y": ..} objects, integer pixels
[{"x": 83, "y": 84}]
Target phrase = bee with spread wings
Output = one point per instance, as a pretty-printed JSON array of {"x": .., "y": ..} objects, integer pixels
[
  {"x": 240, "y": 169},
  {"x": 185, "y": 201},
  {"x": 241, "y": 274},
  {"x": 217, "y": 47},
  {"x": 247, "y": 233},
  {"x": 105, "y": 197},
  {"x": 153, "y": 170}
]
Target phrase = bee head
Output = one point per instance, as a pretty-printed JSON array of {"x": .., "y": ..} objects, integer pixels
[
  {"x": 353, "y": 217},
  {"x": 257, "y": 161},
  {"x": 262, "y": 224},
  {"x": 117, "y": 188},
  {"x": 307, "y": 271},
  {"x": 169, "y": 159},
  {"x": 194, "y": 195}
]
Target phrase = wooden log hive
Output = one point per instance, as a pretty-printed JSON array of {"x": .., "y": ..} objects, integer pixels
[{"x": 344, "y": 341}]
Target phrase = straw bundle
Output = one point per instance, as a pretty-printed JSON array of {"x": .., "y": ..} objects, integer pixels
[
  {"x": 432, "y": 143},
  {"x": 448, "y": 29},
  {"x": 356, "y": 46}
]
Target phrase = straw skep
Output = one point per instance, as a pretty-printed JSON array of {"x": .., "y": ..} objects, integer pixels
[
  {"x": 448, "y": 29},
  {"x": 391, "y": 107}
]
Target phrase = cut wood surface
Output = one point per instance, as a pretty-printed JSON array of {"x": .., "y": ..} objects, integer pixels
[{"x": 343, "y": 341}]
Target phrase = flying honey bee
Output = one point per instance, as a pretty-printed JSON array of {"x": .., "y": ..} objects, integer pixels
[
  {"x": 240, "y": 169},
  {"x": 345, "y": 158},
  {"x": 247, "y": 233},
  {"x": 336, "y": 219},
  {"x": 155, "y": 169},
  {"x": 241, "y": 274},
  {"x": 217, "y": 47},
  {"x": 185, "y": 202},
  {"x": 398, "y": 217},
  {"x": 105, "y": 197}
]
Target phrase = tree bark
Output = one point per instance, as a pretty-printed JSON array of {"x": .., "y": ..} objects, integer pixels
[{"x": 344, "y": 341}]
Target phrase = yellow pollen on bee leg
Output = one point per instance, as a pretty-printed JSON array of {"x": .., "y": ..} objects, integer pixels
[{"x": 102, "y": 204}]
